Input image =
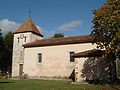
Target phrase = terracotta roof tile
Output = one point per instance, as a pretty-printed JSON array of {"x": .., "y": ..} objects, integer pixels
[
  {"x": 28, "y": 26},
  {"x": 61, "y": 41},
  {"x": 89, "y": 53}
]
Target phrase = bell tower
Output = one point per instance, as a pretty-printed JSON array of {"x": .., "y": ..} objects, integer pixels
[{"x": 26, "y": 33}]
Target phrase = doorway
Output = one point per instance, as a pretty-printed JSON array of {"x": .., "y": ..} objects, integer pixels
[{"x": 20, "y": 69}]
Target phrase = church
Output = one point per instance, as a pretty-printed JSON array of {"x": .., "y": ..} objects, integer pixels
[{"x": 73, "y": 57}]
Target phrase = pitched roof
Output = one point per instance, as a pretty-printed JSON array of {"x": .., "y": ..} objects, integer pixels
[
  {"x": 28, "y": 26},
  {"x": 61, "y": 41},
  {"x": 89, "y": 53}
]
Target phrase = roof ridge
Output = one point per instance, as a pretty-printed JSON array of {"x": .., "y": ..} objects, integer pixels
[
  {"x": 61, "y": 41},
  {"x": 64, "y": 37},
  {"x": 89, "y": 53}
]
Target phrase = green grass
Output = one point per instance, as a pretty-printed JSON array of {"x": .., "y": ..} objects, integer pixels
[{"x": 47, "y": 85}]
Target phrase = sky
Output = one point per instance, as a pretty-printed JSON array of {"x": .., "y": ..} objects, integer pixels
[{"x": 69, "y": 17}]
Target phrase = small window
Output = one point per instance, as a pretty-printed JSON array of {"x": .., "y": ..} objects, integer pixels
[
  {"x": 39, "y": 57},
  {"x": 71, "y": 58},
  {"x": 25, "y": 39},
  {"x": 18, "y": 40}
]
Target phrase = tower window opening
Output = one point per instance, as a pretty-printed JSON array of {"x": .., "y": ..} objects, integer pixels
[
  {"x": 25, "y": 39},
  {"x": 18, "y": 40}
]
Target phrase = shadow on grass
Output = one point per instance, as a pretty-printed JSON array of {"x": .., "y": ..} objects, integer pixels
[{"x": 6, "y": 82}]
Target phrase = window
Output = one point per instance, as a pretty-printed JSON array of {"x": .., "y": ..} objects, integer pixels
[
  {"x": 71, "y": 58},
  {"x": 39, "y": 57},
  {"x": 18, "y": 40},
  {"x": 25, "y": 39}
]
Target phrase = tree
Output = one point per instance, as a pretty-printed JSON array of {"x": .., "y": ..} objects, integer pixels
[
  {"x": 106, "y": 29},
  {"x": 1, "y": 40},
  {"x": 6, "y": 62},
  {"x": 57, "y": 35},
  {"x": 1, "y": 49},
  {"x": 8, "y": 42}
]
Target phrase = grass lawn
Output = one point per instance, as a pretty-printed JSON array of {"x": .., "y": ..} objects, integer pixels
[{"x": 50, "y": 85}]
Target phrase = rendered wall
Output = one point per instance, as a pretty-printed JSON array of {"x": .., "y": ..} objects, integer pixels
[
  {"x": 55, "y": 60},
  {"x": 91, "y": 68}
]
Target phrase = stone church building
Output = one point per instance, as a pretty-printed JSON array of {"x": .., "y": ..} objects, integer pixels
[{"x": 60, "y": 58}]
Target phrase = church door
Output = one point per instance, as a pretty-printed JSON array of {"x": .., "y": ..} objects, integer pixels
[{"x": 20, "y": 69}]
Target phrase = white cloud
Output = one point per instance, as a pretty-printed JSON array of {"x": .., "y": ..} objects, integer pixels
[
  {"x": 47, "y": 33},
  {"x": 6, "y": 26},
  {"x": 70, "y": 25},
  {"x": 40, "y": 29}
]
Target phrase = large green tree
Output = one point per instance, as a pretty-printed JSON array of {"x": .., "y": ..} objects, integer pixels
[
  {"x": 0, "y": 40},
  {"x": 6, "y": 60},
  {"x": 1, "y": 49},
  {"x": 106, "y": 29}
]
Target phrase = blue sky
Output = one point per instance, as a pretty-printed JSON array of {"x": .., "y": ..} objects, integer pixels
[{"x": 71, "y": 17}]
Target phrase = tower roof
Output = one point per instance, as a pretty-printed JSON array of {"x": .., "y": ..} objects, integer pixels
[{"x": 28, "y": 26}]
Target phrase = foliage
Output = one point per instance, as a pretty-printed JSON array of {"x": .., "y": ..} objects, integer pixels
[
  {"x": 1, "y": 40},
  {"x": 0, "y": 34},
  {"x": 57, "y": 35},
  {"x": 1, "y": 48},
  {"x": 106, "y": 28},
  {"x": 8, "y": 41},
  {"x": 6, "y": 60}
]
